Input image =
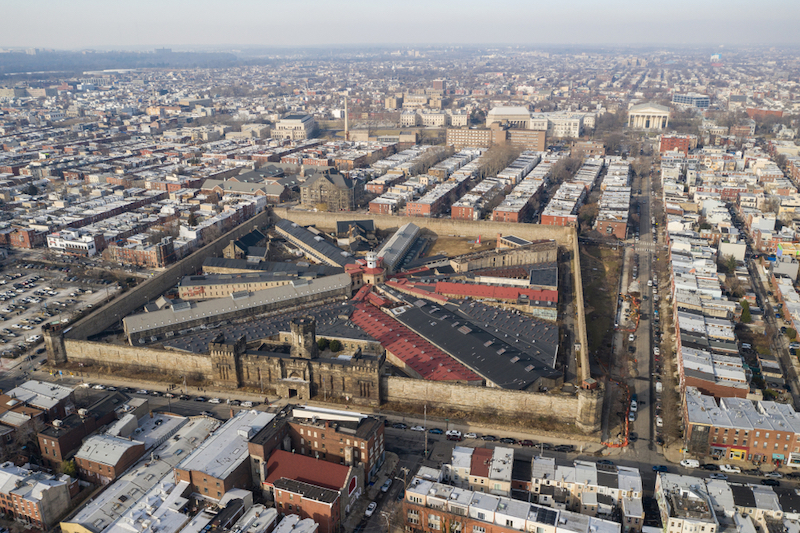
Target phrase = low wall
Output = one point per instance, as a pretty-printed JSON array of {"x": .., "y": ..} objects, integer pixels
[
  {"x": 144, "y": 359},
  {"x": 441, "y": 226},
  {"x": 120, "y": 307},
  {"x": 478, "y": 399}
]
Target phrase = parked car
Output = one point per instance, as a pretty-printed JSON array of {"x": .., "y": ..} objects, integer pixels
[
  {"x": 775, "y": 475},
  {"x": 399, "y": 425},
  {"x": 214, "y": 400},
  {"x": 771, "y": 482},
  {"x": 386, "y": 485},
  {"x": 435, "y": 431},
  {"x": 417, "y": 428},
  {"x": 730, "y": 469},
  {"x": 470, "y": 435},
  {"x": 660, "y": 468},
  {"x": 508, "y": 440},
  {"x": 717, "y": 475},
  {"x": 370, "y": 509},
  {"x": 489, "y": 438}
]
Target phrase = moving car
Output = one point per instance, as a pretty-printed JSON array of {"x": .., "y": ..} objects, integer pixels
[
  {"x": 660, "y": 468},
  {"x": 690, "y": 463}
]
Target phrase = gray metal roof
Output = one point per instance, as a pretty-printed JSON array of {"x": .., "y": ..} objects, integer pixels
[
  {"x": 211, "y": 308},
  {"x": 305, "y": 238}
]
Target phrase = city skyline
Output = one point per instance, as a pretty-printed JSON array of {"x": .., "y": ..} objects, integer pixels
[{"x": 203, "y": 24}]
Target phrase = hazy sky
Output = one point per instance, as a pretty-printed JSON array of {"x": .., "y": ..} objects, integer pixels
[{"x": 71, "y": 24}]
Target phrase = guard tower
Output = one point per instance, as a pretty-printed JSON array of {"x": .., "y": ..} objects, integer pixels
[{"x": 304, "y": 338}]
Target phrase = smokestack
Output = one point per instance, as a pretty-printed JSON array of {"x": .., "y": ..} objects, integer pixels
[{"x": 346, "y": 118}]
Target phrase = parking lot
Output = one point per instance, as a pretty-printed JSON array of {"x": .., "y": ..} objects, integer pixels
[{"x": 33, "y": 294}]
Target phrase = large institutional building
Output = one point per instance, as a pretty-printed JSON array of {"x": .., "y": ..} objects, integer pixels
[
  {"x": 648, "y": 117},
  {"x": 295, "y": 127}
]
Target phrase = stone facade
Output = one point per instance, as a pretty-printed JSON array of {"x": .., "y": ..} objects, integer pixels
[
  {"x": 524, "y": 255},
  {"x": 303, "y": 374}
]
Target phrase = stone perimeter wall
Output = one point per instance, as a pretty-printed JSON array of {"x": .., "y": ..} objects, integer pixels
[
  {"x": 583, "y": 408},
  {"x": 126, "y": 357},
  {"x": 477, "y": 399},
  {"x": 442, "y": 226}
]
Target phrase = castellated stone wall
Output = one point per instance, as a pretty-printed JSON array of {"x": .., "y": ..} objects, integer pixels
[
  {"x": 169, "y": 363},
  {"x": 441, "y": 226},
  {"x": 478, "y": 399}
]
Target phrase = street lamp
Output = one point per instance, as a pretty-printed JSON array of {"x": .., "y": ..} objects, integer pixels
[{"x": 385, "y": 515}]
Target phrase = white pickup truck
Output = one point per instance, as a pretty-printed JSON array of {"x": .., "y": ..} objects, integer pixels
[{"x": 730, "y": 469}]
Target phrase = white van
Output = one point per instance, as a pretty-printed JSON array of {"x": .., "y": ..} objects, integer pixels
[
  {"x": 649, "y": 282},
  {"x": 690, "y": 463},
  {"x": 247, "y": 404}
]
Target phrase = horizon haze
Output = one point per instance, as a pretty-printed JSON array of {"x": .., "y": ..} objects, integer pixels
[{"x": 81, "y": 24}]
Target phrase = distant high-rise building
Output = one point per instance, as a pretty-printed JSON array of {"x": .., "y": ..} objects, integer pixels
[{"x": 439, "y": 85}]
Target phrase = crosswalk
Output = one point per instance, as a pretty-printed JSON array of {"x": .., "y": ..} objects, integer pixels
[{"x": 647, "y": 246}]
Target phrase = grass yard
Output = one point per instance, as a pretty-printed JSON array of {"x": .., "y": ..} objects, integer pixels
[{"x": 452, "y": 246}]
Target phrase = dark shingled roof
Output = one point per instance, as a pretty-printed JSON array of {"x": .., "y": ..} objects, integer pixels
[
  {"x": 329, "y": 324},
  {"x": 309, "y": 492},
  {"x": 742, "y": 495},
  {"x": 343, "y": 226},
  {"x": 503, "y": 360}
]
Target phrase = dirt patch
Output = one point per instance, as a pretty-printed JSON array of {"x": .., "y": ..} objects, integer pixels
[
  {"x": 453, "y": 246},
  {"x": 600, "y": 271}
]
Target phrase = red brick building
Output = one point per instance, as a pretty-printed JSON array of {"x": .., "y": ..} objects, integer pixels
[
  {"x": 156, "y": 255},
  {"x": 103, "y": 458},
  {"x": 674, "y": 141},
  {"x": 616, "y": 228},
  {"x": 321, "y": 490},
  {"x": 754, "y": 112}
]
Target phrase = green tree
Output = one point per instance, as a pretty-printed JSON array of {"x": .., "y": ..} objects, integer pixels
[
  {"x": 335, "y": 346},
  {"x": 746, "y": 318},
  {"x": 31, "y": 189},
  {"x": 322, "y": 343},
  {"x": 69, "y": 468},
  {"x": 792, "y": 334},
  {"x": 192, "y": 220}
]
